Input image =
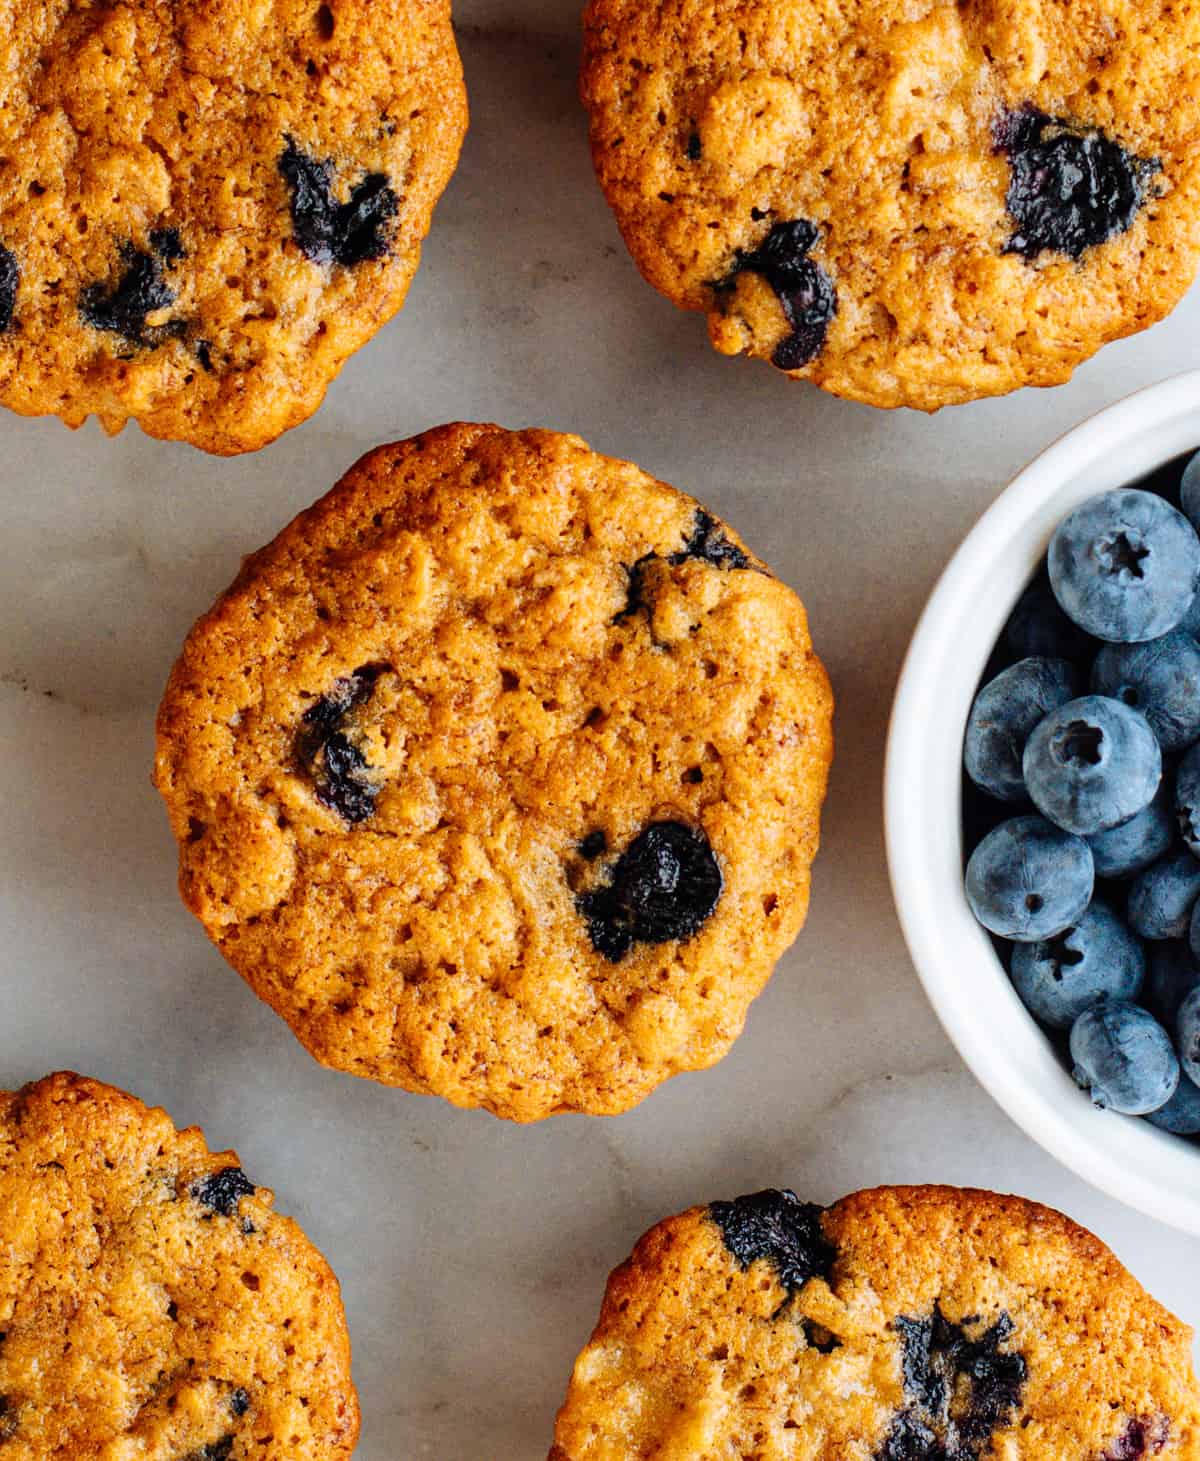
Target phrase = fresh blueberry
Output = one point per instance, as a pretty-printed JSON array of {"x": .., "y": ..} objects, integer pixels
[
  {"x": 1071, "y": 186},
  {"x": 1123, "y": 1057},
  {"x": 329, "y": 232},
  {"x": 981, "y": 813},
  {"x": 802, "y": 286},
  {"x": 10, "y": 279},
  {"x": 1171, "y": 975},
  {"x": 1189, "y": 491},
  {"x": 1194, "y": 930},
  {"x": 1161, "y": 678},
  {"x": 1124, "y": 565},
  {"x": 1162, "y": 897},
  {"x": 1187, "y": 1034},
  {"x": 1190, "y": 623},
  {"x": 1187, "y": 799},
  {"x": 1092, "y": 764},
  {"x": 1165, "y": 480},
  {"x": 1028, "y": 880},
  {"x": 1131, "y": 846},
  {"x": 1004, "y": 714},
  {"x": 1037, "y": 626},
  {"x": 1181, "y": 1114},
  {"x": 664, "y": 886},
  {"x": 1096, "y": 958}
]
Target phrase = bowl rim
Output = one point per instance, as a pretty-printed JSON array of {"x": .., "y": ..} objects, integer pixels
[{"x": 1008, "y": 1053}]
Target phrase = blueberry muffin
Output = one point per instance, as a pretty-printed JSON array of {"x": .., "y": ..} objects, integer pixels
[
  {"x": 900, "y": 1324},
  {"x": 207, "y": 206},
  {"x": 498, "y": 773},
  {"x": 910, "y": 204},
  {"x": 152, "y": 1305}
]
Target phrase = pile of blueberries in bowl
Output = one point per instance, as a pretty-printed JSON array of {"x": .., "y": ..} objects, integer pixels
[{"x": 1082, "y": 798}]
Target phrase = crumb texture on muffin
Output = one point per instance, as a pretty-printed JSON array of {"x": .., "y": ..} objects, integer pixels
[
  {"x": 900, "y": 1324},
  {"x": 910, "y": 204},
  {"x": 152, "y": 1304},
  {"x": 206, "y": 206},
  {"x": 498, "y": 774}
]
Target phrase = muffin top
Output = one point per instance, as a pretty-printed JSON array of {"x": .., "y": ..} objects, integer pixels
[
  {"x": 900, "y": 1324},
  {"x": 911, "y": 204},
  {"x": 498, "y": 774},
  {"x": 152, "y": 1305},
  {"x": 206, "y": 206}
]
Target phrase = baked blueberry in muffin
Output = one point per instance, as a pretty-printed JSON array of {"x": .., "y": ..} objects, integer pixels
[
  {"x": 900, "y": 1324},
  {"x": 909, "y": 204},
  {"x": 205, "y": 256}
]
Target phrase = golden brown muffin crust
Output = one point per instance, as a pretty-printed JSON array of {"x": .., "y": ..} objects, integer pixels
[
  {"x": 882, "y": 124},
  {"x": 543, "y": 665},
  {"x": 161, "y": 274},
  {"x": 989, "y": 1326},
  {"x": 153, "y": 1306}
]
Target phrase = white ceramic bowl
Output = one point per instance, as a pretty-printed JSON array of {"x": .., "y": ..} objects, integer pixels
[{"x": 969, "y": 989}]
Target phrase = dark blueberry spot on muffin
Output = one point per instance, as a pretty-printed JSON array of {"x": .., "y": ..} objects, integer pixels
[
  {"x": 123, "y": 308},
  {"x": 203, "y": 349},
  {"x": 694, "y": 149},
  {"x": 8, "y": 1419},
  {"x": 708, "y": 542},
  {"x": 341, "y": 776},
  {"x": 221, "y": 1191},
  {"x": 777, "y": 1226},
  {"x": 239, "y": 1402},
  {"x": 346, "y": 787},
  {"x": 1071, "y": 186},
  {"x": 802, "y": 286},
  {"x": 329, "y": 232},
  {"x": 328, "y": 713},
  {"x": 960, "y": 1390},
  {"x": 10, "y": 277},
  {"x": 167, "y": 244},
  {"x": 638, "y": 596},
  {"x": 1140, "y": 1437},
  {"x": 220, "y": 1450},
  {"x": 594, "y": 845},
  {"x": 824, "y": 1341},
  {"x": 664, "y": 886}
]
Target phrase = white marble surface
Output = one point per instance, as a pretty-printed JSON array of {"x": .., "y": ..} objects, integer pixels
[{"x": 473, "y": 1254}]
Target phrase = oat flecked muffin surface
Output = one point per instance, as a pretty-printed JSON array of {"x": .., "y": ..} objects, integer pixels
[
  {"x": 498, "y": 774},
  {"x": 207, "y": 205},
  {"x": 910, "y": 204},
  {"x": 153, "y": 1306},
  {"x": 900, "y": 1324}
]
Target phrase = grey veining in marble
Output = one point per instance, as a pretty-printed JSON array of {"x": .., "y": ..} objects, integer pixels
[{"x": 473, "y": 1254}]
